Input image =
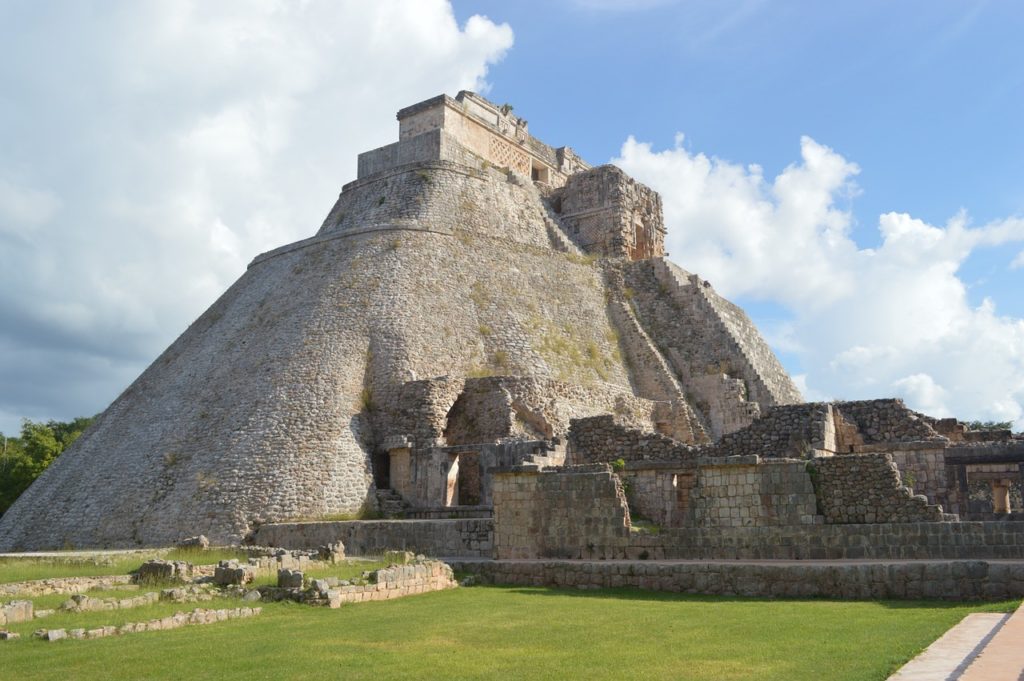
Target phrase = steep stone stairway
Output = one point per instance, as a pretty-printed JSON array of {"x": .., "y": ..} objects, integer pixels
[{"x": 391, "y": 503}]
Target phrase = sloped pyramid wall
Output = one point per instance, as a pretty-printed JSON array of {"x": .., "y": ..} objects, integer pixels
[{"x": 261, "y": 410}]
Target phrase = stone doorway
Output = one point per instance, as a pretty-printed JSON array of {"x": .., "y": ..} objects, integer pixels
[{"x": 463, "y": 485}]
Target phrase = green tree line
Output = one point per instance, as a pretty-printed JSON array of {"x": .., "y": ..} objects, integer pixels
[{"x": 24, "y": 458}]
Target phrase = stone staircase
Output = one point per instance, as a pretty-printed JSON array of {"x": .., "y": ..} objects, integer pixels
[
  {"x": 689, "y": 292},
  {"x": 651, "y": 374},
  {"x": 391, "y": 503},
  {"x": 548, "y": 459},
  {"x": 557, "y": 233}
]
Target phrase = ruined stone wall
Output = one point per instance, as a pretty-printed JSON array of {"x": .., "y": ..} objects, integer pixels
[
  {"x": 601, "y": 439},
  {"x": 611, "y": 214},
  {"x": 923, "y": 469},
  {"x": 579, "y": 512},
  {"x": 887, "y": 420},
  {"x": 791, "y": 431},
  {"x": 398, "y": 581},
  {"x": 756, "y": 494},
  {"x": 658, "y": 491},
  {"x": 866, "y": 488},
  {"x": 522, "y": 406}
]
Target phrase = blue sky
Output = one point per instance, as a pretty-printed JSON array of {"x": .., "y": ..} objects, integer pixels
[{"x": 850, "y": 172}]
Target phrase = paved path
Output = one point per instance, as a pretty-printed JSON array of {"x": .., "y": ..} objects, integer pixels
[
  {"x": 982, "y": 647},
  {"x": 948, "y": 657},
  {"x": 1003, "y": 657}
]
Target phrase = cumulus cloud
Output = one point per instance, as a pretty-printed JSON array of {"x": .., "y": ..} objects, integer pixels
[
  {"x": 154, "y": 148},
  {"x": 866, "y": 322}
]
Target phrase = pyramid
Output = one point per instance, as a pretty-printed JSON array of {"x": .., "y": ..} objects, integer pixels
[{"x": 472, "y": 286}]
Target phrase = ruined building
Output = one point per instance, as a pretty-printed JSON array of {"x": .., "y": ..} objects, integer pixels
[{"x": 483, "y": 319}]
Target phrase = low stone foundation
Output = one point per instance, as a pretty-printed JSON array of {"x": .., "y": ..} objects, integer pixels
[
  {"x": 463, "y": 538},
  {"x": 181, "y": 619},
  {"x": 946, "y": 580},
  {"x": 62, "y": 585}
]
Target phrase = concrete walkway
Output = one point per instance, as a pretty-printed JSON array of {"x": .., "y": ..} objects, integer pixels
[
  {"x": 982, "y": 647},
  {"x": 1003, "y": 657},
  {"x": 949, "y": 656}
]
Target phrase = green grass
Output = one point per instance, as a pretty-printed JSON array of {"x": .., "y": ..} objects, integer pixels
[
  {"x": 23, "y": 569},
  {"x": 492, "y": 633},
  {"x": 53, "y": 601},
  {"x": 93, "y": 620}
]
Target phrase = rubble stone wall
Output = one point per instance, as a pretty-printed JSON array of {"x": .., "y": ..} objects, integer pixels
[
  {"x": 599, "y": 439},
  {"x": 866, "y": 488}
]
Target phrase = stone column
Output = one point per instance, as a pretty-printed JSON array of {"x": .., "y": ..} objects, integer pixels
[{"x": 1001, "y": 496}]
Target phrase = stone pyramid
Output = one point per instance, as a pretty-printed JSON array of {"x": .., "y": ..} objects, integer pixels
[{"x": 473, "y": 286}]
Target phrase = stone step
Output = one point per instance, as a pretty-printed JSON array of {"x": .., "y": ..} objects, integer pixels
[{"x": 391, "y": 503}]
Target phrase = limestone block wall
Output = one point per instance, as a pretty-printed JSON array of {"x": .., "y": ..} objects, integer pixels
[
  {"x": 578, "y": 512},
  {"x": 469, "y": 537},
  {"x": 967, "y": 580},
  {"x": 476, "y": 127},
  {"x": 755, "y": 494},
  {"x": 923, "y": 469},
  {"x": 866, "y": 488},
  {"x": 879, "y": 541},
  {"x": 659, "y": 491},
  {"x": 714, "y": 372}
]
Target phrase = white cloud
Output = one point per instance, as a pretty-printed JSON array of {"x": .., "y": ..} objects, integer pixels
[
  {"x": 23, "y": 209},
  {"x": 866, "y": 322},
  {"x": 1018, "y": 262},
  {"x": 154, "y": 148},
  {"x": 922, "y": 391}
]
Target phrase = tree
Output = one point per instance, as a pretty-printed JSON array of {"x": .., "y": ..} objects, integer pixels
[
  {"x": 24, "y": 458},
  {"x": 989, "y": 425}
]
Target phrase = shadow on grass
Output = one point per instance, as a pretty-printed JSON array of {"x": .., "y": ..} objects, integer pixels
[{"x": 635, "y": 594}]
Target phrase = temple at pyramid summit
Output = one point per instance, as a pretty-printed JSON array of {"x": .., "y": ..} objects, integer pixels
[{"x": 484, "y": 351}]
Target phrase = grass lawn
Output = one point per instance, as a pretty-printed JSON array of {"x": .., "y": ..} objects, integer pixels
[
  {"x": 516, "y": 632},
  {"x": 23, "y": 569}
]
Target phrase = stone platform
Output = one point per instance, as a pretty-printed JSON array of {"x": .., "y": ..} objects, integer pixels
[{"x": 956, "y": 580}]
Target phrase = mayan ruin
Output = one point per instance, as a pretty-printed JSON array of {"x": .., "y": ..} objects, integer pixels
[{"x": 486, "y": 348}]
